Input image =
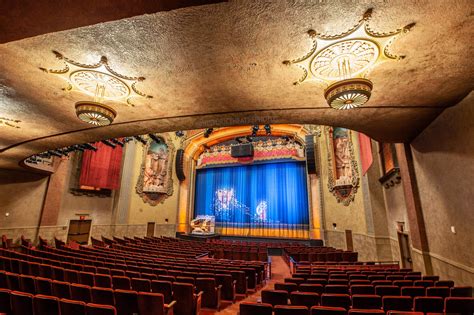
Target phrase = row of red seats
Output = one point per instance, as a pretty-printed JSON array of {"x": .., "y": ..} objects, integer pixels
[
  {"x": 386, "y": 303},
  {"x": 249, "y": 308},
  {"x": 21, "y": 303},
  {"x": 381, "y": 290}
]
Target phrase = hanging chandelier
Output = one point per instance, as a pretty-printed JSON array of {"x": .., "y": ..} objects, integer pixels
[
  {"x": 342, "y": 62},
  {"x": 102, "y": 83}
]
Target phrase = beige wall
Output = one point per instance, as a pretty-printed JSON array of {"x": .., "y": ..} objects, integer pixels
[
  {"x": 21, "y": 196},
  {"x": 443, "y": 156}
]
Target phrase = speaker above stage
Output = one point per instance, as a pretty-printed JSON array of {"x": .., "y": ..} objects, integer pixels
[{"x": 241, "y": 150}]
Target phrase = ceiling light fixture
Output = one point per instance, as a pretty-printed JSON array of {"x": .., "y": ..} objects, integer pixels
[
  {"x": 100, "y": 81},
  {"x": 343, "y": 61}
]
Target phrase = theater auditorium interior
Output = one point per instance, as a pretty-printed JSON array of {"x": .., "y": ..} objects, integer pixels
[{"x": 275, "y": 157}]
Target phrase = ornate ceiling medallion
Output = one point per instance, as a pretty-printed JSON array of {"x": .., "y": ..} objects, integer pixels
[
  {"x": 335, "y": 59},
  {"x": 347, "y": 94},
  {"x": 94, "y": 113},
  {"x": 101, "y": 82}
]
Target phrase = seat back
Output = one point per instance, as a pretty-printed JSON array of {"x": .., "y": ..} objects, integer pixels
[
  {"x": 336, "y": 300},
  {"x": 291, "y": 310},
  {"x": 249, "y": 308},
  {"x": 461, "y": 291},
  {"x": 121, "y": 283},
  {"x": 288, "y": 287},
  {"x": 366, "y": 301},
  {"x": 275, "y": 297},
  {"x": 241, "y": 281},
  {"x": 86, "y": 278},
  {"x": 308, "y": 299},
  {"x": 328, "y": 310},
  {"x": 21, "y": 303},
  {"x": 463, "y": 305},
  {"x": 98, "y": 309},
  {"x": 81, "y": 292},
  {"x": 365, "y": 312},
  {"x": 428, "y": 304},
  {"x": 362, "y": 289},
  {"x": 126, "y": 302},
  {"x": 163, "y": 287},
  {"x": 211, "y": 294},
  {"x": 46, "y": 305},
  {"x": 102, "y": 296},
  {"x": 61, "y": 289},
  {"x": 5, "y": 301},
  {"x": 151, "y": 303},
  {"x": 437, "y": 291},
  {"x": 315, "y": 288},
  {"x": 336, "y": 289},
  {"x": 141, "y": 285},
  {"x": 103, "y": 280},
  {"x": 228, "y": 286},
  {"x": 70, "y": 307},
  {"x": 27, "y": 284},
  {"x": 413, "y": 291},
  {"x": 385, "y": 290},
  {"x": 183, "y": 294},
  {"x": 397, "y": 303}
]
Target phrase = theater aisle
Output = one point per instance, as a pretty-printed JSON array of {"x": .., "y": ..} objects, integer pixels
[{"x": 280, "y": 271}]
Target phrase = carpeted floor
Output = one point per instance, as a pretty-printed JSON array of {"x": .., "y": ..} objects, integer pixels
[{"x": 280, "y": 270}]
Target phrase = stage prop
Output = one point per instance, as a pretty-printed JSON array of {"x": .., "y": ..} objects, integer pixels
[
  {"x": 258, "y": 200},
  {"x": 203, "y": 225},
  {"x": 155, "y": 182},
  {"x": 343, "y": 174}
]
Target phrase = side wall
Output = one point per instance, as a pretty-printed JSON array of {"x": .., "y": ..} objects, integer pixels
[{"x": 444, "y": 164}]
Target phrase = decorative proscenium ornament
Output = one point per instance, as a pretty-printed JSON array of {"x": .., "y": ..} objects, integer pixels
[
  {"x": 342, "y": 62},
  {"x": 9, "y": 122},
  {"x": 100, "y": 81}
]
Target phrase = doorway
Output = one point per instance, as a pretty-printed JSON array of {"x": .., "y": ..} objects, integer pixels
[
  {"x": 150, "y": 229},
  {"x": 405, "y": 253},
  {"x": 79, "y": 231},
  {"x": 349, "y": 242}
]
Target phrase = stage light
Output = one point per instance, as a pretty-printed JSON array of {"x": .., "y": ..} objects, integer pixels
[
  {"x": 55, "y": 153},
  {"x": 108, "y": 143},
  {"x": 249, "y": 139},
  {"x": 179, "y": 133},
  {"x": 117, "y": 141},
  {"x": 238, "y": 139},
  {"x": 268, "y": 129},
  {"x": 78, "y": 147},
  {"x": 140, "y": 139},
  {"x": 155, "y": 138},
  {"x": 127, "y": 139},
  {"x": 89, "y": 146},
  {"x": 208, "y": 132}
]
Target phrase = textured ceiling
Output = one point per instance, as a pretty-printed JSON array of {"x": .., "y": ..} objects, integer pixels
[{"x": 221, "y": 64}]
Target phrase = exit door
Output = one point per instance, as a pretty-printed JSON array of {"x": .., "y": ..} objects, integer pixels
[
  {"x": 79, "y": 231},
  {"x": 150, "y": 229},
  {"x": 405, "y": 253}
]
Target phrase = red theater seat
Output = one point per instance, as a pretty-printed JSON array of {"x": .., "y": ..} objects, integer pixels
[
  {"x": 336, "y": 300},
  {"x": 102, "y": 296},
  {"x": 288, "y": 287},
  {"x": 46, "y": 305},
  {"x": 153, "y": 304},
  {"x": 366, "y": 302},
  {"x": 69, "y": 307},
  {"x": 21, "y": 303},
  {"x": 126, "y": 302},
  {"x": 5, "y": 301},
  {"x": 249, "y": 308},
  {"x": 307, "y": 299},
  {"x": 365, "y": 312},
  {"x": 327, "y": 310},
  {"x": 98, "y": 309},
  {"x": 275, "y": 297},
  {"x": 461, "y": 291},
  {"x": 290, "y": 310},
  {"x": 397, "y": 303},
  {"x": 462, "y": 305},
  {"x": 163, "y": 287},
  {"x": 428, "y": 304}
]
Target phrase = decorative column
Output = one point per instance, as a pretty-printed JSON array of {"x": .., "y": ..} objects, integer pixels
[{"x": 418, "y": 236}]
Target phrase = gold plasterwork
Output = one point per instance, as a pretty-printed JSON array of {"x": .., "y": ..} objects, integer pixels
[
  {"x": 98, "y": 79},
  {"x": 350, "y": 54},
  {"x": 8, "y": 122}
]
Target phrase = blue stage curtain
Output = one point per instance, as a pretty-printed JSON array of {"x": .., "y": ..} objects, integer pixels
[{"x": 267, "y": 200}]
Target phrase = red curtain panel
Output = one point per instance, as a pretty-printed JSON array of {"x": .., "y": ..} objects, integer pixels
[
  {"x": 366, "y": 158},
  {"x": 101, "y": 169}
]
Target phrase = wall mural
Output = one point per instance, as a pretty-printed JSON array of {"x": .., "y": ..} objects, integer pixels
[
  {"x": 343, "y": 174},
  {"x": 155, "y": 182}
]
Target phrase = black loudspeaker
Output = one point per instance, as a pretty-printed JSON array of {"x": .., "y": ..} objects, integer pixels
[
  {"x": 242, "y": 150},
  {"x": 310, "y": 154},
  {"x": 179, "y": 165}
]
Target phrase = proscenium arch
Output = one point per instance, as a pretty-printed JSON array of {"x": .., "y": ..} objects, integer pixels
[{"x": 194, "y": 146}]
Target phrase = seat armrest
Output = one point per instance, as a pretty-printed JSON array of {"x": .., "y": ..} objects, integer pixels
[{"x": 169, "y": 308}]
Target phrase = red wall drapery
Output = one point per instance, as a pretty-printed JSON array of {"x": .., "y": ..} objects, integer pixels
[
  {"x": 101, "y": 169},
  {"x": 366, "y": 158}
]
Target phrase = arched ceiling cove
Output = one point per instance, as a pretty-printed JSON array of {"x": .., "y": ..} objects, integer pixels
[{"x": 221, "y": 65}]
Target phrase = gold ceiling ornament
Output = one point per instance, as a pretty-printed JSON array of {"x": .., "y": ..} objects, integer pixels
[
  {"x": 100, "y": 81},
  {"x": 95, "y": 113},
  {"x": 343, "y": 61},
  {"x": 8, "y": 122}
]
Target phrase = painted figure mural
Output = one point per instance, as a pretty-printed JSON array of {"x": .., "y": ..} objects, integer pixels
[
  {"x": 156, "y": 171},
  {"x": 342, "y": 156}
]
